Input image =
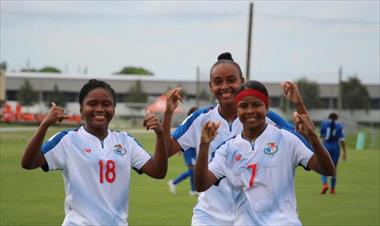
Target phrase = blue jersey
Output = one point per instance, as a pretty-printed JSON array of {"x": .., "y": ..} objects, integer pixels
[
  {"x": 189, "y": 156},
  {"x": 332, "y": 133}
]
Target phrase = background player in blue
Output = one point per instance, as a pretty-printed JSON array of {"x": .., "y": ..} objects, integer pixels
[
  {"x": 95, "y": 161},
  {"x": 260, "y": 161},
  {"x": 216, "y": 206},
  {"x": 189, "y": 156},
  {"x": 332, "y": 134}
]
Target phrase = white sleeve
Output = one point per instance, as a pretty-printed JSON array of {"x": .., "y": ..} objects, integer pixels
[
  {"x": 188, "y": 134},
  {"x": 301, "y": 153},
  {"x": 138, "y": 155},
  {"x": 54, "y": 150},
  {"x": 218, "y": 164}
]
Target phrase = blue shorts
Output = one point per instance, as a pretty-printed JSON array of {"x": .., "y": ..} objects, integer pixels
[{"x": 189, "y": 156}]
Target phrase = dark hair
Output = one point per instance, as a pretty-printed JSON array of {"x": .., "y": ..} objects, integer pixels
[
  {"x": 333, "y": 116},
  {"x": 191, "y": 110},
  {"x": 226, "y": 58},
  {"x": 332, "y": 136},
  {"x": 93, "y": 84},
  {"x": 253, "y": 84}
]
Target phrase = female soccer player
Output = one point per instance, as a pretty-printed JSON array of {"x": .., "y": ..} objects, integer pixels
[
  {"x": 260, "y": 162},
  {"x": 216, "y": 206},
  {"x": 332, "y": 134},
  {"x": 95, "y": 161}
]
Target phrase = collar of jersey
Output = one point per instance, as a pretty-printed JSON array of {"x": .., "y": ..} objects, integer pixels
[
  {"x": 216, "y": 109},
  {"x": 260, "y": 137},
  {"x": 91, "y": 136}
]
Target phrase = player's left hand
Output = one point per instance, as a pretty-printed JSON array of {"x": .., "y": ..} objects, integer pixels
[
  {"x": 209, "y": 132},
  {"x": 291, "y": 92},
  {"x": 344, "y": 156},
  {"x": 173, "y": 97},
  {"x": 152, "y": 122}
]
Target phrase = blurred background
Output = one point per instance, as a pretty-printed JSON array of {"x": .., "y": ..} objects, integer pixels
[{"x": 50, "y": 49}]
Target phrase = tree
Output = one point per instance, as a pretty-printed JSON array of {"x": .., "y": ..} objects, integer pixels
[
  {"x": 3, "y": 66},
  {"x": 136, "y": 94},
  {"x": 134, "y": 71},
  {"x": 57, "y": 97},
  {"x": 355, "y": 95},
  {"x": 309, "y": 91},
  {"x": 49, "y": 70},
  {"x": 26, "y": 96}
]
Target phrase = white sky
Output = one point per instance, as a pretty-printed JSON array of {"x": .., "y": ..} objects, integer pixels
[{"x": 291, "y": 39}]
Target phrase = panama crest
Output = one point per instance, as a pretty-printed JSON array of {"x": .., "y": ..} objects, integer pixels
[
  {"x": 119, "y": 150},
  {"x": 271, "y": 148}
]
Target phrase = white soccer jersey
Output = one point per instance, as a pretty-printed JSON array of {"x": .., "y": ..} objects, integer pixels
[
  {"x": 264, "y": 171},
  {"x": 96, "y": 174},
  {"x": 216, "y": 205}
]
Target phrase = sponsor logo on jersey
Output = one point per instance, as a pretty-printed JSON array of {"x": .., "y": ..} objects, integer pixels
[
  {"x": 271, "y": 149},
  {"x": 87, "y": 150},
  {"x": 119, "y": 150},
  {"x": 238, "y": 157}
]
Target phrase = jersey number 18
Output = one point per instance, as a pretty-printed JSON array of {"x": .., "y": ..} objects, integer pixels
[{"x": 109, "y": 174}]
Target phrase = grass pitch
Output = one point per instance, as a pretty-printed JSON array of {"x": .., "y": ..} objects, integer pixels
[{"x": 37, "y": 198}]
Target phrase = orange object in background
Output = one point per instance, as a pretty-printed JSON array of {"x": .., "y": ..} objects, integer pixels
[
  {"x": 8, "y": 115},
  {"x": 160, "y": 105},
  {"x": 18, "y": 112}
]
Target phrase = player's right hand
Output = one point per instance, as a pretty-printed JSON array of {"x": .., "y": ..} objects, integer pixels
[
  {"x": 55, "y": 114},
  {"x": 173, "y": 97},
  {"x": 291, "y": 92},
  {"x": 209, "y": 132}
]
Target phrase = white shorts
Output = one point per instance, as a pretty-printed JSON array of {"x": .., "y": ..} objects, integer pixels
[{"x": 201, "y": 218}]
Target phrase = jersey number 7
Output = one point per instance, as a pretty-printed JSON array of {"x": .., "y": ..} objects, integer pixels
[{"x": 253, "y": 175}]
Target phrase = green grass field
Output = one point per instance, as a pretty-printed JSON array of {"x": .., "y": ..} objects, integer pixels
[{"x": 36, "y": 198}]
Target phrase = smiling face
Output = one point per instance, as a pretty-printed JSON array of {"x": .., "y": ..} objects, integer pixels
[
  {"x": 225, "y": 80},
  {"x": 252, "y": 112},
  {"x": 97, "y": 109}
]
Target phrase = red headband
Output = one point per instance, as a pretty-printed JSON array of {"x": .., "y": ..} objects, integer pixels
[{"x": 252, "y": 92}]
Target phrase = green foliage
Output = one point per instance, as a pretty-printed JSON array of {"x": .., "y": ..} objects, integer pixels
[
  {"x": 309, "y": 91},
  {"x": 134, "y": 71},
  {"x": 136, "y": 94},
  {"x": 354, "y": 94},
  {"x": 3, "y": 66},
  {"x": 49, "y": 70},
  {"x": 57, "y": 97},
  {"x": 43, "y": 70},
  {"x": 26, "y": 96}
]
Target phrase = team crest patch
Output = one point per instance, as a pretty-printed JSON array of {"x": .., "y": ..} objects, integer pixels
[
  {"x": 271, "y": 149},
  {"x": 119, "y": 150}
]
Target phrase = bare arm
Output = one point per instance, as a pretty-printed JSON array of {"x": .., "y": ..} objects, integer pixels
[
  {"x": 203, "y": 177},
  {"x": 172, "y": 98},
  {"x": 343, "y": 145},
  {"x": 321, "y": 161},
  {"x": 157, "y": 166},
  {"x": 33, "y": 158},
  {"x": 292, "y": 93}
]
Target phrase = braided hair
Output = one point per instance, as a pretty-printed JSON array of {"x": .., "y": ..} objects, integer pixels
[
  {"x": 331, "y": 136},
  {"x": 93, "y": 84},
  {"x": 226, "y": 58}
]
